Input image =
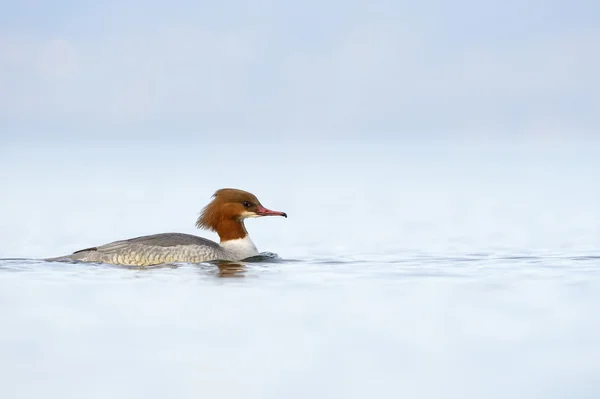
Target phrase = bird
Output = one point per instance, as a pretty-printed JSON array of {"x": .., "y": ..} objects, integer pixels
[{"x": 224, "y": 214}]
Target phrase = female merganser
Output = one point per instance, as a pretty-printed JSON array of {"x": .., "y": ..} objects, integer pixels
[{"x": 225, "y": 215}]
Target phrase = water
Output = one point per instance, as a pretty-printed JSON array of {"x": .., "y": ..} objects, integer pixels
[{"x": 419, "y": 272}]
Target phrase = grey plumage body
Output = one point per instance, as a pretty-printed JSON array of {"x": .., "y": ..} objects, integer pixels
[{"x": 154, "y": 249}]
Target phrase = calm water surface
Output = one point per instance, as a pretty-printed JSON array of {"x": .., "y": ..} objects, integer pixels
[
  {"x": 406, "y": 270},
  {"x": 474, "y": 325}
]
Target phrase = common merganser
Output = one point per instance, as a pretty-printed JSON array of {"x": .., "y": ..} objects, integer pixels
[{"x": 225, "y": 214}]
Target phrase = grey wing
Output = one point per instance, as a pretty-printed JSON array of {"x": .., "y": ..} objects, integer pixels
[{"x": 155, "y": 240}]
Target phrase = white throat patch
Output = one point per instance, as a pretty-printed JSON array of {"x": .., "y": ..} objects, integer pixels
[
  {"x": 240, "y": 248},
  {"x": 246, "y": 214}
]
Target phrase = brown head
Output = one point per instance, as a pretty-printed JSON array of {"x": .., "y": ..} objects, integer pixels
[{"x": 225, "y": 214}]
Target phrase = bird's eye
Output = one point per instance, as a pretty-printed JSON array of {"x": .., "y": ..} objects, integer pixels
[{"x": 246, "y": 204}]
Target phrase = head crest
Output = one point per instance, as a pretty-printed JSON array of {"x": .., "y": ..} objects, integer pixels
[{"x": 214, "y": 213}]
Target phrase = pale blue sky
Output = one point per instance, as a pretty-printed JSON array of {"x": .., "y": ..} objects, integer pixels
[{"x": 77, "y": 69}]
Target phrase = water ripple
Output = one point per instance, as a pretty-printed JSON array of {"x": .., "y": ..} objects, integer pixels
[{"x": 385, "y": 266}]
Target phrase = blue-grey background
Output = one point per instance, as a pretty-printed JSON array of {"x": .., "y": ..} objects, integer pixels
[
  {"x": 267, "y": 69},
  {"x": 438, "y": 162}
]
